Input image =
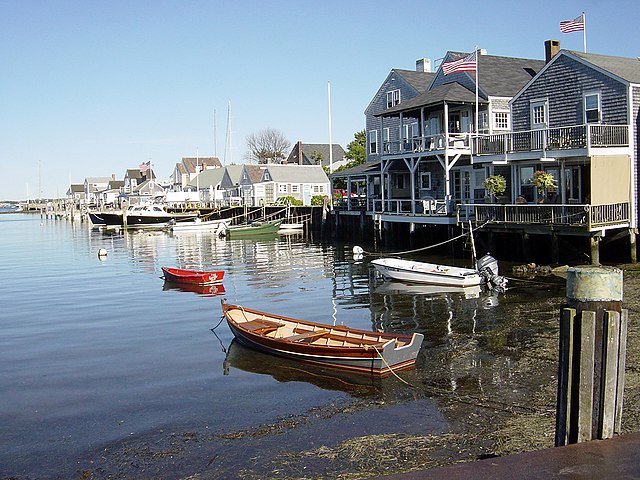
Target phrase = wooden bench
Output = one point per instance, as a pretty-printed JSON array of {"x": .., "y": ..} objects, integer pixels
[
  {"x": 260, "y": 325},
  {"x": 310, "y": 336}
]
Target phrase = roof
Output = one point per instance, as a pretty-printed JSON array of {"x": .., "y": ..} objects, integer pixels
[
  {"x": 116, "y": 183},
  {"x": 235, "y": 172},
  {"x": 211, "y": 176},
  {"x": 254, "y": 172},
  {"x": 309, "y": 149},
  {"x": 190, "y": 163},
  {"x": 296, "y": 173},
  {"x": 76, "y": 187},
  {"x": 626, "y": 68},
  {"x": 418, "y": 80},
  {"x": 368, "y": 168},
  {"x": 497, "y": 76},
  {"x": 95, "y": 180}
]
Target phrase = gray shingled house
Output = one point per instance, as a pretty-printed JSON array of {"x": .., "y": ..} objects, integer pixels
[{"x": 578, "y": 121}]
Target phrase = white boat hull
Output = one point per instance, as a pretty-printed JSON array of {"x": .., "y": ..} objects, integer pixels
[{"x": 428, "y": 273}]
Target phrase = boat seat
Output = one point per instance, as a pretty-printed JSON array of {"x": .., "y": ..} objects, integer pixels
[
  {"x": 306, "y": 336},
  {"x": 261, "y": 325}
]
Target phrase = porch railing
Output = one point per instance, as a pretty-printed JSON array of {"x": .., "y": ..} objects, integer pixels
[
  {"x": 592, "y": 217},
  {"x": 404, "y": 206},
  {"x": 577, "y": 136},
  {"x": 428, "y": 143}
]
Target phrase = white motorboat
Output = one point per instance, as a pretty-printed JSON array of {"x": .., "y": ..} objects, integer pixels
[
  {"x": 431, "y": 273},
  {"x": 486, "y": 271},
  {"x": 218, "y": 226}
]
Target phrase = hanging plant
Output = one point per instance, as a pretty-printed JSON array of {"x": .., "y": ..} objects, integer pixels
[
  {"x": 495, "y": 184},
  {"x": 544, "y": 182}
]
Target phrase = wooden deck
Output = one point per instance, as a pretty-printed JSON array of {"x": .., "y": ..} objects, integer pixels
[{"x": 615, "y": 458}]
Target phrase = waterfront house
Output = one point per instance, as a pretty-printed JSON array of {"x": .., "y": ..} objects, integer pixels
[
  {"x": 110, "y": 196},
  {"x": 75, "y": 194},
  {"x": 188, "y": 168},
  {"x": 317, "y": 154},
  {"x": 93, "y": 186},
  {"x": 230, "y": 184},
  {"x": 207, "y": 184},
  {"x": 134, "y": 177},
  {"x": 577, "y": 120},
  {"x": 264, "y": 184}
]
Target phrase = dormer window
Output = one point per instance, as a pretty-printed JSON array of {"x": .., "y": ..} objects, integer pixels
[
  {"x": 393, "y": 98},
  {"x": 592, "y": 107}
]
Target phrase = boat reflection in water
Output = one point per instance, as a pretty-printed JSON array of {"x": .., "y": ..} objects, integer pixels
[
  {"x": 285, "y": 370},
  {"x": 212, "y": 290},
  {"x": 402, "y": 288}
]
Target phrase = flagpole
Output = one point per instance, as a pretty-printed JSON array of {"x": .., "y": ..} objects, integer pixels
[{"x": 584, "y": 31}]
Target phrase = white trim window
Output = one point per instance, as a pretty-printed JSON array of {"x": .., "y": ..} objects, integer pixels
[
  {"x": 393, "y": 98},
  {"x": 425, "y": 181},
  {"x": 283, "y": 188},
  {"x": 318, "y": 189},
  {"x": 373, "y": 141},
  {"x": 538, "y": 114},
  {"x": 592, "y": 107},
  {"x": 501, "y": 120},
  {"x": 386, "y": 139},
  {"x": 295, "y": 188}
]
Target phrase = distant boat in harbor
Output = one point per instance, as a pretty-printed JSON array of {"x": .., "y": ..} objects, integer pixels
[
  {"x": 254, "y": 228},
  {"x": 143, "y": 215}
]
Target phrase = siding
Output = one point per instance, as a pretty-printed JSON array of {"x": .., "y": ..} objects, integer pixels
[
  {"x": 635, "y": 128},
  {"x": 563, "y": 84}
]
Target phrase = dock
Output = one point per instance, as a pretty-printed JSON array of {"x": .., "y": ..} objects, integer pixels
[{"x": 613, "y": 458}]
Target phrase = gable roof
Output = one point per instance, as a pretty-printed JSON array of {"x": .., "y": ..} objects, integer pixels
[
  {"x": 308, "y": 151},
  {"x": 621, "y": 68},
  {"x": 416, "y": 80},
  {"x": 368, "y": 168},
  {"x": 627, "y": 69},
  {"x": 234, "y": 172},
  {"x": 254, "y": 172},
  {"x": 296, "y": 173},
  {"x": 189, "y": 164},
  {"x": 212, "y": 176},
  {"x": 497, "y": 76}
]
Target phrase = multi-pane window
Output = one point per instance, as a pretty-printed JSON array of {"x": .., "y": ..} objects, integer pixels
[
  {"x": 592, "y": 107},
  {"x": 501, "y": 121},
  {"x": 386, "y": 133},
  {"x": 373, "y": 141},
  {"x": 393, "y": 98},
  {"x": 282, "y": 188},
  {"x": 295, "y": 188},
  {"x": 537, "y": 114}
]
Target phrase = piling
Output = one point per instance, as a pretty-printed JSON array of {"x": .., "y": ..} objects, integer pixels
[{"x": 592, "y": 350}]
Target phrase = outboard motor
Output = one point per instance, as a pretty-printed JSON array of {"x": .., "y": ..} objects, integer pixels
[{"x": 487, "y": 266}]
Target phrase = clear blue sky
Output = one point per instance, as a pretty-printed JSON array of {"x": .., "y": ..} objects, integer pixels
[{"x": 91, "y": 88}]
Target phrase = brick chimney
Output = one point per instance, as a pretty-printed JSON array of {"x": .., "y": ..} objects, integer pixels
[{"x": 551, "y": 48}]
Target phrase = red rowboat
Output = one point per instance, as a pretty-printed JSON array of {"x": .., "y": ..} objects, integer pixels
[
  {"x": 358, "y": 351},
  {"x": 193, "y": 277}
]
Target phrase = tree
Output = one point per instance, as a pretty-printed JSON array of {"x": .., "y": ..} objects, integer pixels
[
  {"x": 357, "y": 149},
  {"x": 267, "y": 146}
]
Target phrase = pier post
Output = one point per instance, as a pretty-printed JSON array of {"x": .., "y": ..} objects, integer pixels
[
  {"x": 633, "y": 245},
  {"x": 594, "y": 244},
  {"x": 592, "y": 351}
]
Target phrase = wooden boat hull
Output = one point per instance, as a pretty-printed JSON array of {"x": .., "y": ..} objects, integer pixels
[
  {"x": 357, "y": 351},
  {"x": 256, "y": 228},
  {"x": 192, "y": 277},
  {"x": 428, "y": 273}
]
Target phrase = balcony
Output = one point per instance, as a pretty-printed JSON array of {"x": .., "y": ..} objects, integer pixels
[
  {"x": 588, "y": 217},
  {"x": 429, "y": 143},
  {"x": 562, "y": 138}
]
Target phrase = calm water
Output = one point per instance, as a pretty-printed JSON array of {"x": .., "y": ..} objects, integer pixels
[{"x": 94, "y": 351}]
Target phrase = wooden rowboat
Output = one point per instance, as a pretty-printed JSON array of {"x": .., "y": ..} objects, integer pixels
[
  {"x": 192, "y": 277},
  {"x": 344, "y": 348}
]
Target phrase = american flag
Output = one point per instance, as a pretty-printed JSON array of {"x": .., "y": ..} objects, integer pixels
[
  {"x": 466, "y": 64},
  {"x": 575, "y": 25},
  {"x": 145, "y": 166}
]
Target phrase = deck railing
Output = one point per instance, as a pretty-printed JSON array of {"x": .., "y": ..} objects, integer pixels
[
  {"x": 406, "y": 206},
  {"x": 425, "y": 143},
  {"x": 577, "y": 136},
  {"x": 592, "y": 217}
]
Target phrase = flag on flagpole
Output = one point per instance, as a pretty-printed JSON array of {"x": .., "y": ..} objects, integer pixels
[
  {"x": 144, "y": 166},
  {"x": 575, "y": 25},
  {"x": 466, "y": 64}
]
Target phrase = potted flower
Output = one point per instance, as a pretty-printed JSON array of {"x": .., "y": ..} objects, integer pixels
[
  {"x": 544, "y": 182},
  {"x": 495, "y": 185}
]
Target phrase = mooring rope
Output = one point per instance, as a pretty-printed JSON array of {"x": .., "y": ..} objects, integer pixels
[{"x": 428, "y": 246}]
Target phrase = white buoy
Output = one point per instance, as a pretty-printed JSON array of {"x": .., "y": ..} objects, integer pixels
[
  {"x": 357, "y": 250},
  {"x": 102, "y": 253}
]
